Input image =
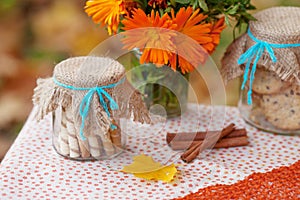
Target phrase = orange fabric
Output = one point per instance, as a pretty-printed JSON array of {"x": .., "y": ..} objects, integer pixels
[{"x": 280, "y": 183}]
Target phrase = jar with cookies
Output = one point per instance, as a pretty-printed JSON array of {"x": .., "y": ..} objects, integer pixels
[
  {"x": 267, "y": 57},
  {"x": 87, "y": 97}
]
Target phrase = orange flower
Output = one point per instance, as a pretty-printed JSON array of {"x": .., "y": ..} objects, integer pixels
[
  {"x": 150, "y": 34},
  {"x": 216, "y": 30},
  {"x": 158, "y": 3},
  {"x": 182, "y": 41},
  {"x": 106, "y": 12},
  {"x": 193, "y": 33},
  {"x": 130, "y": 6}
]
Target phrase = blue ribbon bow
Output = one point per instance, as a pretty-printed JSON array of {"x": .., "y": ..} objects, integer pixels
[
  {"x": 255, "y": 52},
  {"x": 86, "y": 101}
]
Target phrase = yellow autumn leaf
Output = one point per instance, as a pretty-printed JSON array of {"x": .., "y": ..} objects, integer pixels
[
  {"x": 165, "y": 174},
  {"x": 142, "y": 164},
  {"x": 145, "y": 167}
]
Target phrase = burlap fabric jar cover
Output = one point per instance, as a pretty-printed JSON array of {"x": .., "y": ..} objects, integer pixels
[
  {"x": 88, "y": 95},
  {"x": 268, "y": 57}
]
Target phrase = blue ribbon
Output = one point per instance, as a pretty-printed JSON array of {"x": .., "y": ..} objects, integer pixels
[
  {"x": 86, "y": 101},
  {"x": 255, "y": 52}
]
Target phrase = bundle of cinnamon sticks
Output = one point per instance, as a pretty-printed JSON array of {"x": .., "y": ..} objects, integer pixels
[{"x": 194, "y": 143}]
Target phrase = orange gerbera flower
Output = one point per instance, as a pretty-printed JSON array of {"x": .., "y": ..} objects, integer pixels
[
  {"x": 216, "y": 30},
  {"x": 106, "y": 12},
  {"x": 151, "y": 34},
  {"x": 194, "y": 32}
]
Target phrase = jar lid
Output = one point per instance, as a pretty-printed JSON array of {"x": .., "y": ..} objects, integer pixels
[
  {"x": 88, "y": 71},
  {"x": 277, "y": 25}
]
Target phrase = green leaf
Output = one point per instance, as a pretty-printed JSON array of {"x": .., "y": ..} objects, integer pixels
[
  {"x": 203, "y": 5},
  {"x": 168, "y": 9},
  {"x": 233, "y": 10},
  {"x": 183, "y": 1},
  {"x": 173, "y": 3},
  {"x": 251, "y": 7},
  {"x": 248, "y": 16},
  {"x": 227, "y": 20}
]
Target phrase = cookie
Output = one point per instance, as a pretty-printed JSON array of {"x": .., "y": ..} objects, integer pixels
[
  {"x": 256, "y": 99},
  {"x": 267, "y": 82},
  {"x": 283, "y": 109}
]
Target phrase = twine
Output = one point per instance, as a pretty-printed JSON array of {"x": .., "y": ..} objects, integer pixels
[
  {"x": 255, "y": 52},
  {"x": 86, "y": 101}
]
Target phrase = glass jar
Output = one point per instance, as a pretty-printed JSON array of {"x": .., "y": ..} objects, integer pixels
[
  {"x": 275, "y": 104},
  {"x": 66, "y": 140}
]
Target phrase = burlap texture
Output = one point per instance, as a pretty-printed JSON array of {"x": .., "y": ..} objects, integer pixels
[
  {"x": 89, "y": 72},
  {"x": 279, "y": 25}
]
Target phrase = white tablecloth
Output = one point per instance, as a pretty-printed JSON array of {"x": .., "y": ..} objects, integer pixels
[{"x": 33, "y": 170}]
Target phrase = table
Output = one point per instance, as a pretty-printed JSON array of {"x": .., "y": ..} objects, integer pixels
[{"x": 33, "y": 170}]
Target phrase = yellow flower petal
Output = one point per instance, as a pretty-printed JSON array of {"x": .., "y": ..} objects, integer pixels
[{"x": 106, "y": 12}]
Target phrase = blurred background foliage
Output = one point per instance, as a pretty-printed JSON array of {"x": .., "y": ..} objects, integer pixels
[{"x": 37, "y": 34}]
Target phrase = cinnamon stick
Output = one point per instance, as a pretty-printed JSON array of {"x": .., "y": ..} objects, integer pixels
[
  {"x": 224, "y": 143},
  {"x": 194, "y": 150},
  {"x": 196, "y": 136},
  {"x": 232, "y": 142}
]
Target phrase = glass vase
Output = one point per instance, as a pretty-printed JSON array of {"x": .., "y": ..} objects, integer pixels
[
  {"x": 159, "y": 84},
  {"x": 173, "y": 104}
]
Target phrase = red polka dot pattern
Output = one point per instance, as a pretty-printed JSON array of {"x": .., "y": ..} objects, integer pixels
[{"x": 33, "y": 170}]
